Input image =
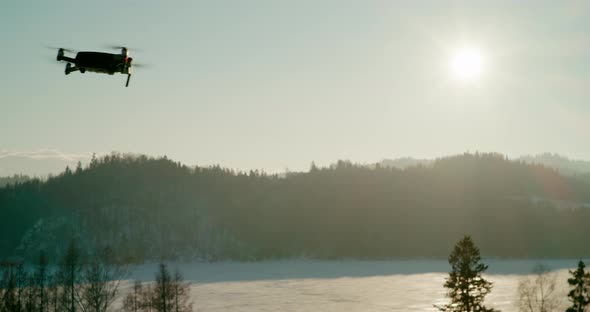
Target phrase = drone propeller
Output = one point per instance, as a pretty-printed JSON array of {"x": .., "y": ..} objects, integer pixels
[
  {"x": 64, "y": 49},
  {"x": 139, "y": 65},
  {"x": 132, "y": 63},
  {"x": 120, "y": 47}
]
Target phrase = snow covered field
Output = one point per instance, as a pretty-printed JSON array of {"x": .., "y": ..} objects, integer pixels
[{"x": 409, "y": 285}]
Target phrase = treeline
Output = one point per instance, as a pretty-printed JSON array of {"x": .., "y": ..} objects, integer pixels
[
  {"x": 154, "y": 208},
  {"x": 77, "y": 282},
  {"x": 87, "y": 282}
]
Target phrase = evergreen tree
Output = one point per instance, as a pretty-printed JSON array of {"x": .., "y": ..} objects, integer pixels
[
  {"x": 466, "y": 287},
  {"x": 580, "y": 294},
  {"x": 78, "y": 168}
]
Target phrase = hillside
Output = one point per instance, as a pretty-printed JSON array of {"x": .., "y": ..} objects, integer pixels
[
  {"x": 562, "y": 164},
  {"x": 147, "y": 208}
]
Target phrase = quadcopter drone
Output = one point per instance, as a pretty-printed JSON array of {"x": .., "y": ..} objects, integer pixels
[{"x": 98, "y": 62}]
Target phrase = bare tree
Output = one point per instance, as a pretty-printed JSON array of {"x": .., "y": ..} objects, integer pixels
[
  {"x": 133, "y": 300},
  {"x": 53, "y": 293},
  {"x": 181, "y": 294},
  {"x": 100, "y": 282},
  {"x": 163, "y": 290},
  {"x": 40, "y": 282},
  {"x": 68, "y": 277},
  {"x": 22, "y": 279},
  {"x": 30, "y": 304},
  {"x": 537, "y": 293},
  {"x": 8, "y": 291},
  {"x": 148, "y": 300}
]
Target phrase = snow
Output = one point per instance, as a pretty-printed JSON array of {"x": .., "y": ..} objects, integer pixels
[{"x": 347, "y": 285}]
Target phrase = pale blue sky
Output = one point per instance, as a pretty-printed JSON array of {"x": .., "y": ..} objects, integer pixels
[{"x": 278, "y": 84}]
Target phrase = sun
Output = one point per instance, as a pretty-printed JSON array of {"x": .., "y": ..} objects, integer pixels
[{"x": 467, "y": 64}]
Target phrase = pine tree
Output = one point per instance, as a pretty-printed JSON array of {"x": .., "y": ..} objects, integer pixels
[
  {"x": 580, "y": 294},
  {"x": 466, "y": 287}
]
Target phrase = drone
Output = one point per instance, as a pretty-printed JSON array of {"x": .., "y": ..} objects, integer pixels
[{"x": 98, "y": 62}]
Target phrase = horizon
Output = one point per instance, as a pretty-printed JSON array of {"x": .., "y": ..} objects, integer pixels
[{"x": 49, "y": 162}]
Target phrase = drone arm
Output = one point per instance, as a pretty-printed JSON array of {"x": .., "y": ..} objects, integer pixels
[
  {"x": 67, "y": 59},
  {"x": 128, "y": 77}
]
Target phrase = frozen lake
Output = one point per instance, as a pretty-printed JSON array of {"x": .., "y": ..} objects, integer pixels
[{"x": 408, "y": 285}]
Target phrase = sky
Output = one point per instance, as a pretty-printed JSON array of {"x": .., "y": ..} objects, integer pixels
[{"x": 275, "y": 85}]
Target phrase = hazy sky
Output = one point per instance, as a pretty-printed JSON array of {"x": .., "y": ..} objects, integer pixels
[{"x": 276, "y": 84}]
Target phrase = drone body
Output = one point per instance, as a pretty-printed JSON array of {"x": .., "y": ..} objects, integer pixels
[{"x": 98, "y": 62}]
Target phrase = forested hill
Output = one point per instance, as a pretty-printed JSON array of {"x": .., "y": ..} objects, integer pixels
[{"x": 148, "y": 208}]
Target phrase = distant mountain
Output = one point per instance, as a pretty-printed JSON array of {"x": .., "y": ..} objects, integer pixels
[
  {"x": 17, "y": 178},
  {"x": 39, "y": 163},
  {"x": 405, "y": 162},
  {"x": 560, "y": 163}
]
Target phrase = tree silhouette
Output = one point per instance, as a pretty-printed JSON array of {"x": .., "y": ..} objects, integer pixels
[
  {"x": 580, "y": 294},
  {"x": 40, "y": 281},
  {"x": 8, "y": 288},
  {"x": 466, "y": 287},
  {"x": 163, "y": 290},
  {"x": 69, "y": 276}
]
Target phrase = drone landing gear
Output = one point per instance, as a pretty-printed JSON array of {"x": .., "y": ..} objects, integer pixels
[
  {"x": 70, "y": 68},
  {"x": 128, "y": 77}
]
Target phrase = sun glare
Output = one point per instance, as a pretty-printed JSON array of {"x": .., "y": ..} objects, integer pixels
[{"x": 467, "y": 64}]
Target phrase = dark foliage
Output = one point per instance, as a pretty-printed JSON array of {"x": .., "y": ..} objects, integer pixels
[
  {"x": 580, "y": 294},
  {"x": 148, "y": 208},
  {"x": 466, "y": 286}
]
